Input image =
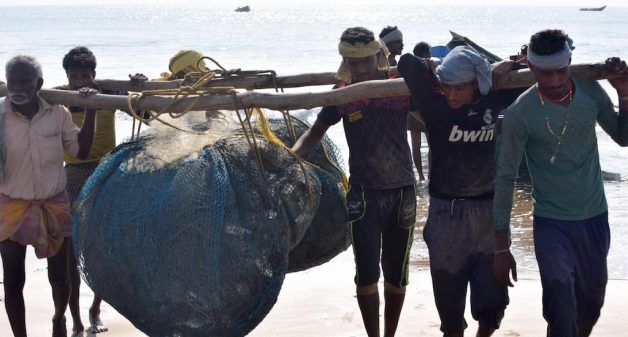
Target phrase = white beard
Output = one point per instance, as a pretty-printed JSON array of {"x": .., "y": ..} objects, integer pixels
[{"x": 19, "y": 99}]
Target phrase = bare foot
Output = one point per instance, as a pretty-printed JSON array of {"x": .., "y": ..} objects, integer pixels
[
  {"x": 77, "y": 331},
  {"x": 96, "y": 325},
  {"x": 58, "y": 327},
  {"x": 77, "y": 328}
]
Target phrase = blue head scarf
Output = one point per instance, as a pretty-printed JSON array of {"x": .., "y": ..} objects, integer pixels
[{"x": 464, "y": 64}]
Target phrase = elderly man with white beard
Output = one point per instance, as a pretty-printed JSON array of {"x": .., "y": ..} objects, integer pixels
[{"x": 34, "y": 206}]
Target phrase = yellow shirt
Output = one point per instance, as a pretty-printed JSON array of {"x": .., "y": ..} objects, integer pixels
[{"x": 104, "y": 135}]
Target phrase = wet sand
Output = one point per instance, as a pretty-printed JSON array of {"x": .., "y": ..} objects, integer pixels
[{"x": 320, "y": 302}]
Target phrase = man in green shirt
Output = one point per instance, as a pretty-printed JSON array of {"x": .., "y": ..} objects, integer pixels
[{"x": 553, "y": 125}]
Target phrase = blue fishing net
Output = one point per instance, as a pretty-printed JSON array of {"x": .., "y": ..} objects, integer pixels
[{"x": 188, "y": 235}]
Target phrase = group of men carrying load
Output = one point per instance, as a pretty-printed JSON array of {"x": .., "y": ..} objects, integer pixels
[{"x": 471, "y": 179}]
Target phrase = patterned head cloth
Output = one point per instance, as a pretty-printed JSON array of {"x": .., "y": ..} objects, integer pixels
[
  {"x": 464, "y": 64},
  {"x": 558, "y": 60},
  {"x": 359, "y": 49}
]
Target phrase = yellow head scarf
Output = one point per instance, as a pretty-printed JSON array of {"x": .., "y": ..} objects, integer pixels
[
  {"x": 186, "y": 61},
  {"x": 375, "y": 47}
]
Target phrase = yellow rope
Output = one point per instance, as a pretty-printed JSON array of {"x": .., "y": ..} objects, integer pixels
[
  {"x": 178, "y": 94},
  {"x": 264, "y": 129},
  {"x": 343, "y": 178},
  {"x": 285, "y": 113},
  {"x": 199, "y": 89},
  {"x": 288, "y": 121}
]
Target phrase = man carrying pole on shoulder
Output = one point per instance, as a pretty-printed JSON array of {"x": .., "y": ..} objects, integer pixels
[
  {"x": 553, "y": 125},
  {"x": 381, "y": 200}
]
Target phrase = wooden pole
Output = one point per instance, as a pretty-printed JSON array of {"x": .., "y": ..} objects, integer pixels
[
  {"x": 514, "y": 79},
  {"x": 290, "y": 101},
  {"x": 261, "y": 82},
  {"x": 589, "y": 71},
  {"x": 249, "y": 99}
]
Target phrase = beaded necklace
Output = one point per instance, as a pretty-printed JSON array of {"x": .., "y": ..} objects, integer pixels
[{"x": 558, "y": 137}]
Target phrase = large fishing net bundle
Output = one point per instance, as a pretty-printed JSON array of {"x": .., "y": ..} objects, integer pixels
[{"x": 192, "y": 234}]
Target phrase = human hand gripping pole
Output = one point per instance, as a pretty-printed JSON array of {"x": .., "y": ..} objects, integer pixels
[
  {"x": 138, "y": 79},
  {"x": 619, "y": 83},
  {"x": 504, "y": 262},
  {"x": 137, "y": 82},
  {"x": 499, "y": 70}
]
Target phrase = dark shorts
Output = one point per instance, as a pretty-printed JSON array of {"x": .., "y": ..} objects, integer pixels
[
  {"x": 459, "y": 237},
  {"x": 381, "y": 220},
  {"x": 572, "y": 263},
  {"x": 77, "y": 176}
]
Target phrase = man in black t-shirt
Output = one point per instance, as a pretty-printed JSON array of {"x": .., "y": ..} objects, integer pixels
[
  {"x": 460, "y": 113},
  {"x": 381, "y": 179}
]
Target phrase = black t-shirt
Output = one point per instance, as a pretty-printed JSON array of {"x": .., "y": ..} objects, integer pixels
[
  {"x": 379, "y": 154},
  {"x": 462, "y": 141}
]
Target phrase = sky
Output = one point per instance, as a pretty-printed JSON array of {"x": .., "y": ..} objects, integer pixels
[{"x": 568, "y": 3}]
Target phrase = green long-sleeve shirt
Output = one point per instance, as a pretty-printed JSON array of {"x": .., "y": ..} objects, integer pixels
[{"x": 571, "y": 187}]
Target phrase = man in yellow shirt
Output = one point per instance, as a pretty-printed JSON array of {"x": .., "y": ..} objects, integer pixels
[{"x": 80, "y": 67}]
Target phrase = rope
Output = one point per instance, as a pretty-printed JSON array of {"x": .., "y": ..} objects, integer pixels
[
  {"x": 253, "y": 142},
  {"x": 199, "y": 89},
  {"x": 343, "y": 178},
  {"x": 265, "y": 131},
  {"x": 178, "y": 94},
  {"x": 238, "y": 72},
  {"x": 272, "y": 138},
  {"x": 285, "y": 113}
]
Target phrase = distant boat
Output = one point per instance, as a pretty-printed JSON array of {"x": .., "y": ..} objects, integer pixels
[
  {"x": 459, "y": 40},
  {"x": 243, "y": 9},
  {"x": 593, "y": 9}
]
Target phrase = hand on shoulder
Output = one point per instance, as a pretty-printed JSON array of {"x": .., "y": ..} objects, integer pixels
[{"x": 499, "y": 70}]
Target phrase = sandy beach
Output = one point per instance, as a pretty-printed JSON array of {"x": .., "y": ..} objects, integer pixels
[{"x": 320, "y": 302}]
